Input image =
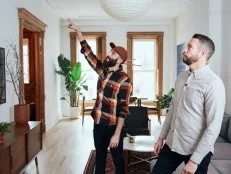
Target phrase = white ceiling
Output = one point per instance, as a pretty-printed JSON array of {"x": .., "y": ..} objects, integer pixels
[{"x": 87, "y": 9}]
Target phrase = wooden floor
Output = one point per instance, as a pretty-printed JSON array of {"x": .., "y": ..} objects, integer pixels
[{"x": 67, "y": 145}]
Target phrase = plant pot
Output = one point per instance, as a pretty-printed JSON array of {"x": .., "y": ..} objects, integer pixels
[
  {"x": 1, "y": 139},
  {"x": 65, "y": 108},
  {"x": 75, "y": 112},
  {"x": 21, "y": 113},
  {"x": 164, "y": 111}
]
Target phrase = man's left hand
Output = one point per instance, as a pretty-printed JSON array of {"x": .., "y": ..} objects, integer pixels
[
  {"x": 189, "y": 168},
  {"x": 114, "y": 141}
]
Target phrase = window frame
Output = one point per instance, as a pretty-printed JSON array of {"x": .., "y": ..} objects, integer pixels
[{"x": 159, "y": 46}]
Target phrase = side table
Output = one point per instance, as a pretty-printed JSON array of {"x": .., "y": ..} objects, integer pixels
[{"x": 140, "y": 144}]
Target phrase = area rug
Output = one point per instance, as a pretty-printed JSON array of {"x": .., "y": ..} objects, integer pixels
[{"x": 141, "y": 168}]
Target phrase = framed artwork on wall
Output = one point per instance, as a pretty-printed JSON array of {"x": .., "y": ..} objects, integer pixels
[
  {"x": 2, "y": 76},
  {"x": 181, "y": 66}
]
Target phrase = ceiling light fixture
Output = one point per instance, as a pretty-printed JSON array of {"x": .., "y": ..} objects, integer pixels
[{"x": 125, "y": 10}]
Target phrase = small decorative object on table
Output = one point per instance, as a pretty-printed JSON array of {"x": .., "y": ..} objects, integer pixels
[
  {"x": 131, "y": 138},
  {"x": 4, "y": 128}
]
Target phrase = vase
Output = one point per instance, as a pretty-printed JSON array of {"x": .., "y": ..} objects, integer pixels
[
  {"x": 1, "y": 139},
  {"x": 21, "y": 113},
  {"x": 75, "y": 112}
]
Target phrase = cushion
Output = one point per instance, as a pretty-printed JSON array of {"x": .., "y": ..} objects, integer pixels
[
  {"x": 229, "y": 131},
  {"x": 212, "y": 169},
  {"x": 222, "y": 166},
  {"x": 222, "y": 151},
  {"x": 221, "y": 140},
  {"x": 225, "y": 126}
]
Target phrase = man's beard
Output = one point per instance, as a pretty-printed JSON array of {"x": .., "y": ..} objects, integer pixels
[
  {"x": 189, "y": 60},
  {"x": 108, "y": 62}
]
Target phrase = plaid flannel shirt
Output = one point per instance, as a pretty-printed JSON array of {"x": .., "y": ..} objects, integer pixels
[{"x": 113, "y": 90}]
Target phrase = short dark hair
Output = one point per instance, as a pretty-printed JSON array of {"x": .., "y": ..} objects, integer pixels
[{"x": 205, "y": 40}]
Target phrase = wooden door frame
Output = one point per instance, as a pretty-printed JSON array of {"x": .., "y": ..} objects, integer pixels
[
  {"x": 159, "y": 40},
  {"x": 29, "y": 21}
]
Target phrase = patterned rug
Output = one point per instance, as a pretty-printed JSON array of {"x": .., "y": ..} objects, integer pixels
[{"x": 140, "y": 168}]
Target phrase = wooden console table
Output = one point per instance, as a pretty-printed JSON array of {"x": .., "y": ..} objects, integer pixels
[{"x": 20, "y": 146}]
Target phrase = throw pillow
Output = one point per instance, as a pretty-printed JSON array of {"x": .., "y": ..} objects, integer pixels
[
  {"x": 229, "y": 130},
  {"x": 225, "y": 126}
]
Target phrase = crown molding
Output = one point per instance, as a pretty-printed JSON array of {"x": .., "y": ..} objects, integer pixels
[{"x": 147, "y": 21}]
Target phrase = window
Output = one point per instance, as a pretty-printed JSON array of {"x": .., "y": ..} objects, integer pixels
[
  {"x": 144, "y": 68},
  {"x": 145, "y": 63},
  {"x": 87, "y": 70}
]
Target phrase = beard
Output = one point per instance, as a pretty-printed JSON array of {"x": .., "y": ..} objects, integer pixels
[
  {"x": 108, "y": 62},
  {"x": 190, "y": 60}
]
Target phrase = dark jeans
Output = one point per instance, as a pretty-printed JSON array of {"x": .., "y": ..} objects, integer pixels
[
  {"x": 168, "y": 161},
  {"x": 102, "y": 136}
]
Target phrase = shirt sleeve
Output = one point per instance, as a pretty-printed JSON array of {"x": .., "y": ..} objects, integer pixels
[
  {"x": 93, "y": 61},
  {"x": 214, "y": 111},
  {"x": 124, "y": 97}
]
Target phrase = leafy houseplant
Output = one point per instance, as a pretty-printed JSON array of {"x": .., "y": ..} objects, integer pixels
[
  {"x": 14, "y": 65},
  {"x": 164, "y": 101},
  {"x": 4, "y": 128},
  {"x": 74, "y": 82}
]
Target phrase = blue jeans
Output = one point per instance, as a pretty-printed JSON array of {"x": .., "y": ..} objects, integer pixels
[
  {"x": 102, "y": 137},
  {"x": 168, "y": 161}
]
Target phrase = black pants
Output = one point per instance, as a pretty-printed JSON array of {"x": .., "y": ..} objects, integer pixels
[
  {"x": 102, "y": 136},
  {"x": 168, "y": 161}
]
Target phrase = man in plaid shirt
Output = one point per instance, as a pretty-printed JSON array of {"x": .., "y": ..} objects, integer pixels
[{"x": 111, "y": 106}]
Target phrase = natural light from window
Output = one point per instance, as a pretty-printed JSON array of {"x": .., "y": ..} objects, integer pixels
[
  {"x": 144, "y": 76},
  {"x": 26, "y": 60},
  {"x": 91, "y": 75}
]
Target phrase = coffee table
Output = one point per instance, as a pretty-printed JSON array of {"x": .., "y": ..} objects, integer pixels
[{"x": 143, "y": 143}]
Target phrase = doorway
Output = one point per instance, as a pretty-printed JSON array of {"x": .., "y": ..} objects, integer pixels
[
  {"x": 31, "y": 48},
  {"x": 29, "y": 71}
]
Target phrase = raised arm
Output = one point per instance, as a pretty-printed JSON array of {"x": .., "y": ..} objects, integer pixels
[
  {"x": 93, "y": 61},
  {"x": 73, "y": 26}
]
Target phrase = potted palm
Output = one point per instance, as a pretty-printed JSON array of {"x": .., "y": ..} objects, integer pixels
[
  {"x": 74, "y": 82},
  {"x": 4, "y": 128},
  {"x": 163, "y": 102},
  {"x": 15, "y": 73}
]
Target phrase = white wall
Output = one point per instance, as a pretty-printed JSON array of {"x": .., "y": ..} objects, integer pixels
[
  {"x": 210, "y": 19},
  {"x": 117, "y": 33},
  {"x": 192, "y": 19},
  {"x": 10, "y": 30},
  {"x": 226, "y": 51}
]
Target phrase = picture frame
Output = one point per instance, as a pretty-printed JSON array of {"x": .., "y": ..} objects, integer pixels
[
  {"x": 181, "y": 66},
  {"x": 2, "y": 76}
]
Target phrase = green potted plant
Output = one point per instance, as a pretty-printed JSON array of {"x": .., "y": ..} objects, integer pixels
[
  {"x": 74, "y": 82},
  {"x": 163, "y": 102},
  {"x": 4, "y": 128},
  {"x": 14, "y": 66}
]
